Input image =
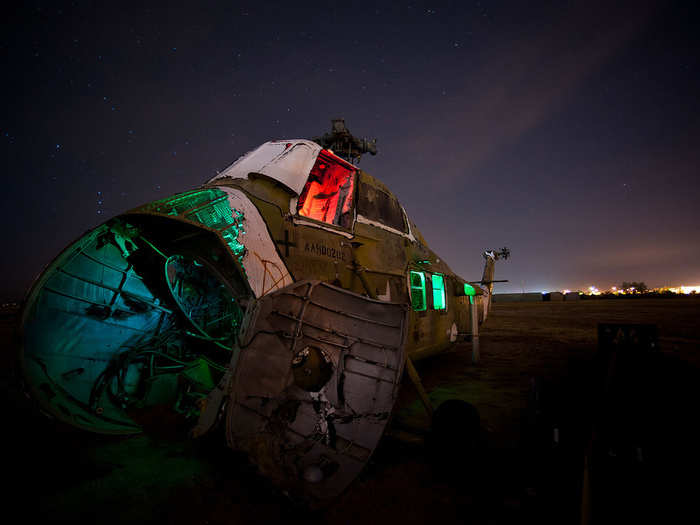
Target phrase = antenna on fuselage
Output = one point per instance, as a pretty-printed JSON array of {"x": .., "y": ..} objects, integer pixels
[{"x": 344, "y": 144}]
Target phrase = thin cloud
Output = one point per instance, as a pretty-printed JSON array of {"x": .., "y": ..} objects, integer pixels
[{"x": 523, "y": 82}]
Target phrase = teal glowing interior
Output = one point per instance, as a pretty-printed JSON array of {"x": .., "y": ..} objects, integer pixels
[{"x": 139, "y": 316}]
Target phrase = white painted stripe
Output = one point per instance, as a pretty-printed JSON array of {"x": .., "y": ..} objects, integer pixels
[
  {"x": 317, "y": 224},
  {"x": 364, "y": 220}
]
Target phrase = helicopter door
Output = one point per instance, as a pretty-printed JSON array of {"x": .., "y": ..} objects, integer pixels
[{"x": 316, "y": 380}]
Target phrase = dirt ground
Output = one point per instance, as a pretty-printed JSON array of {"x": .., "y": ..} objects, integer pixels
[{"x": 516, "y": 472}]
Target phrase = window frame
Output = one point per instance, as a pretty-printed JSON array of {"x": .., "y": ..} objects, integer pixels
[
  {"x": 421, "y": 288},
  {"x": 329, "y": 226},
  {"x": 405, "y": 231}
]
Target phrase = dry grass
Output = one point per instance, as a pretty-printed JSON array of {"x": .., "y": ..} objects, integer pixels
[{"x": 519, "y": 341}]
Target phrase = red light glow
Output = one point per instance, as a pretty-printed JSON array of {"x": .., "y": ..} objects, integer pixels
[{"x": 328, "y": 194}]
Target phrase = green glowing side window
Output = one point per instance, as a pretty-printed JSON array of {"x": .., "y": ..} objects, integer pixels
[
  {"x": 439, "y": 302},
  {"x": 418, "y": 291}
]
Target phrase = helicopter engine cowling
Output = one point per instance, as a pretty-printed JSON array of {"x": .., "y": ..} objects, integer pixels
[{"x": 139, "y": 316}]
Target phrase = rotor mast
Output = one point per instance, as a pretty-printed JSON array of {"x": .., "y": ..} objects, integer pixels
[{"x": 344, "y": 144}]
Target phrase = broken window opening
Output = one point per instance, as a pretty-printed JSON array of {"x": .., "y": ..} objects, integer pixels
[
  {"x": 418, "y": 301},
  {"x": 328, "y": 194}
]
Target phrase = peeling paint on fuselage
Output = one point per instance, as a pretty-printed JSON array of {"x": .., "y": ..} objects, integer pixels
[
  {"x": 275, "y": 246},
  {"x": 368, "y": 258}
]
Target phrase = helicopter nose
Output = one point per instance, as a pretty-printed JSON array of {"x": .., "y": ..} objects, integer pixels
[{"x": 145, "y": 309}]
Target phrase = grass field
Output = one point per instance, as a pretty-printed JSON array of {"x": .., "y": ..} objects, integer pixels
[{"x": 513, "y": 476}]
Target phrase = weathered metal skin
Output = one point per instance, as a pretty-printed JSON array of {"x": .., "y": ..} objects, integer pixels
[
  {"x": 304, "y": 326},
  {"x": 368, "y": 259},
  {"x": 311, "y": 426}
]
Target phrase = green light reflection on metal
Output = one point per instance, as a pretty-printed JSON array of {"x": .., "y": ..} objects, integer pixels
[{"x": 209, "y": 207}]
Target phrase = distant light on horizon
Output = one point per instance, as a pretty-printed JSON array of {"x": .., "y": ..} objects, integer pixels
[
  {"x": 686, "y": 290},
  {"x": 614, "y": 290}
]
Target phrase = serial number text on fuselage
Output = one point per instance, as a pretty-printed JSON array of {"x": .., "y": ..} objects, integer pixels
[{"x": 324, "y": 251}]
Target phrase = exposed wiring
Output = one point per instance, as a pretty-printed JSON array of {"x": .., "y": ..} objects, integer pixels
[{"x": 152, "y": 246}]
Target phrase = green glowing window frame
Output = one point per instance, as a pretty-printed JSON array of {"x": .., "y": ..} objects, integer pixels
[
  {"x": 439, "y": 297},
  {"x": 417, "y": 281}
]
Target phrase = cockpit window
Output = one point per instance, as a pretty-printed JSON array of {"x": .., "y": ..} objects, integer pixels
[
  {"x": 377, "y": 205},
  {"x": 328, "y": 194}
]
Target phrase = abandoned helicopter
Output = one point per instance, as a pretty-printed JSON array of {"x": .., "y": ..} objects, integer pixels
[{"x": 286, "y": 295}]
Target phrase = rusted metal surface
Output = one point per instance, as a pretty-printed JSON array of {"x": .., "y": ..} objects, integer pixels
[
  {"x": 371, "y": 258},
  {"x": 320, "y": 360},
  {"x": 315, "y": 384}
]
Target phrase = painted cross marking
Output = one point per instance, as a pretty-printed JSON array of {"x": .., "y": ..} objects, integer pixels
[{"x": 286, "y": 243}]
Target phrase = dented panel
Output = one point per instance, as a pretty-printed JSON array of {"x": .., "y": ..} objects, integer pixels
[
  {"x": 146, "y": 310},
  {"x": 315, "y": 384}
]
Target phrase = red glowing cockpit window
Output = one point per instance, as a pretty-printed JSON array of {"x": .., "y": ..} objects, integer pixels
[{"x": 328, "y": 194}]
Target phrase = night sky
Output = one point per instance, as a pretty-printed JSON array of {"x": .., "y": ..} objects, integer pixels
[{"x": 567, "y": 131}]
